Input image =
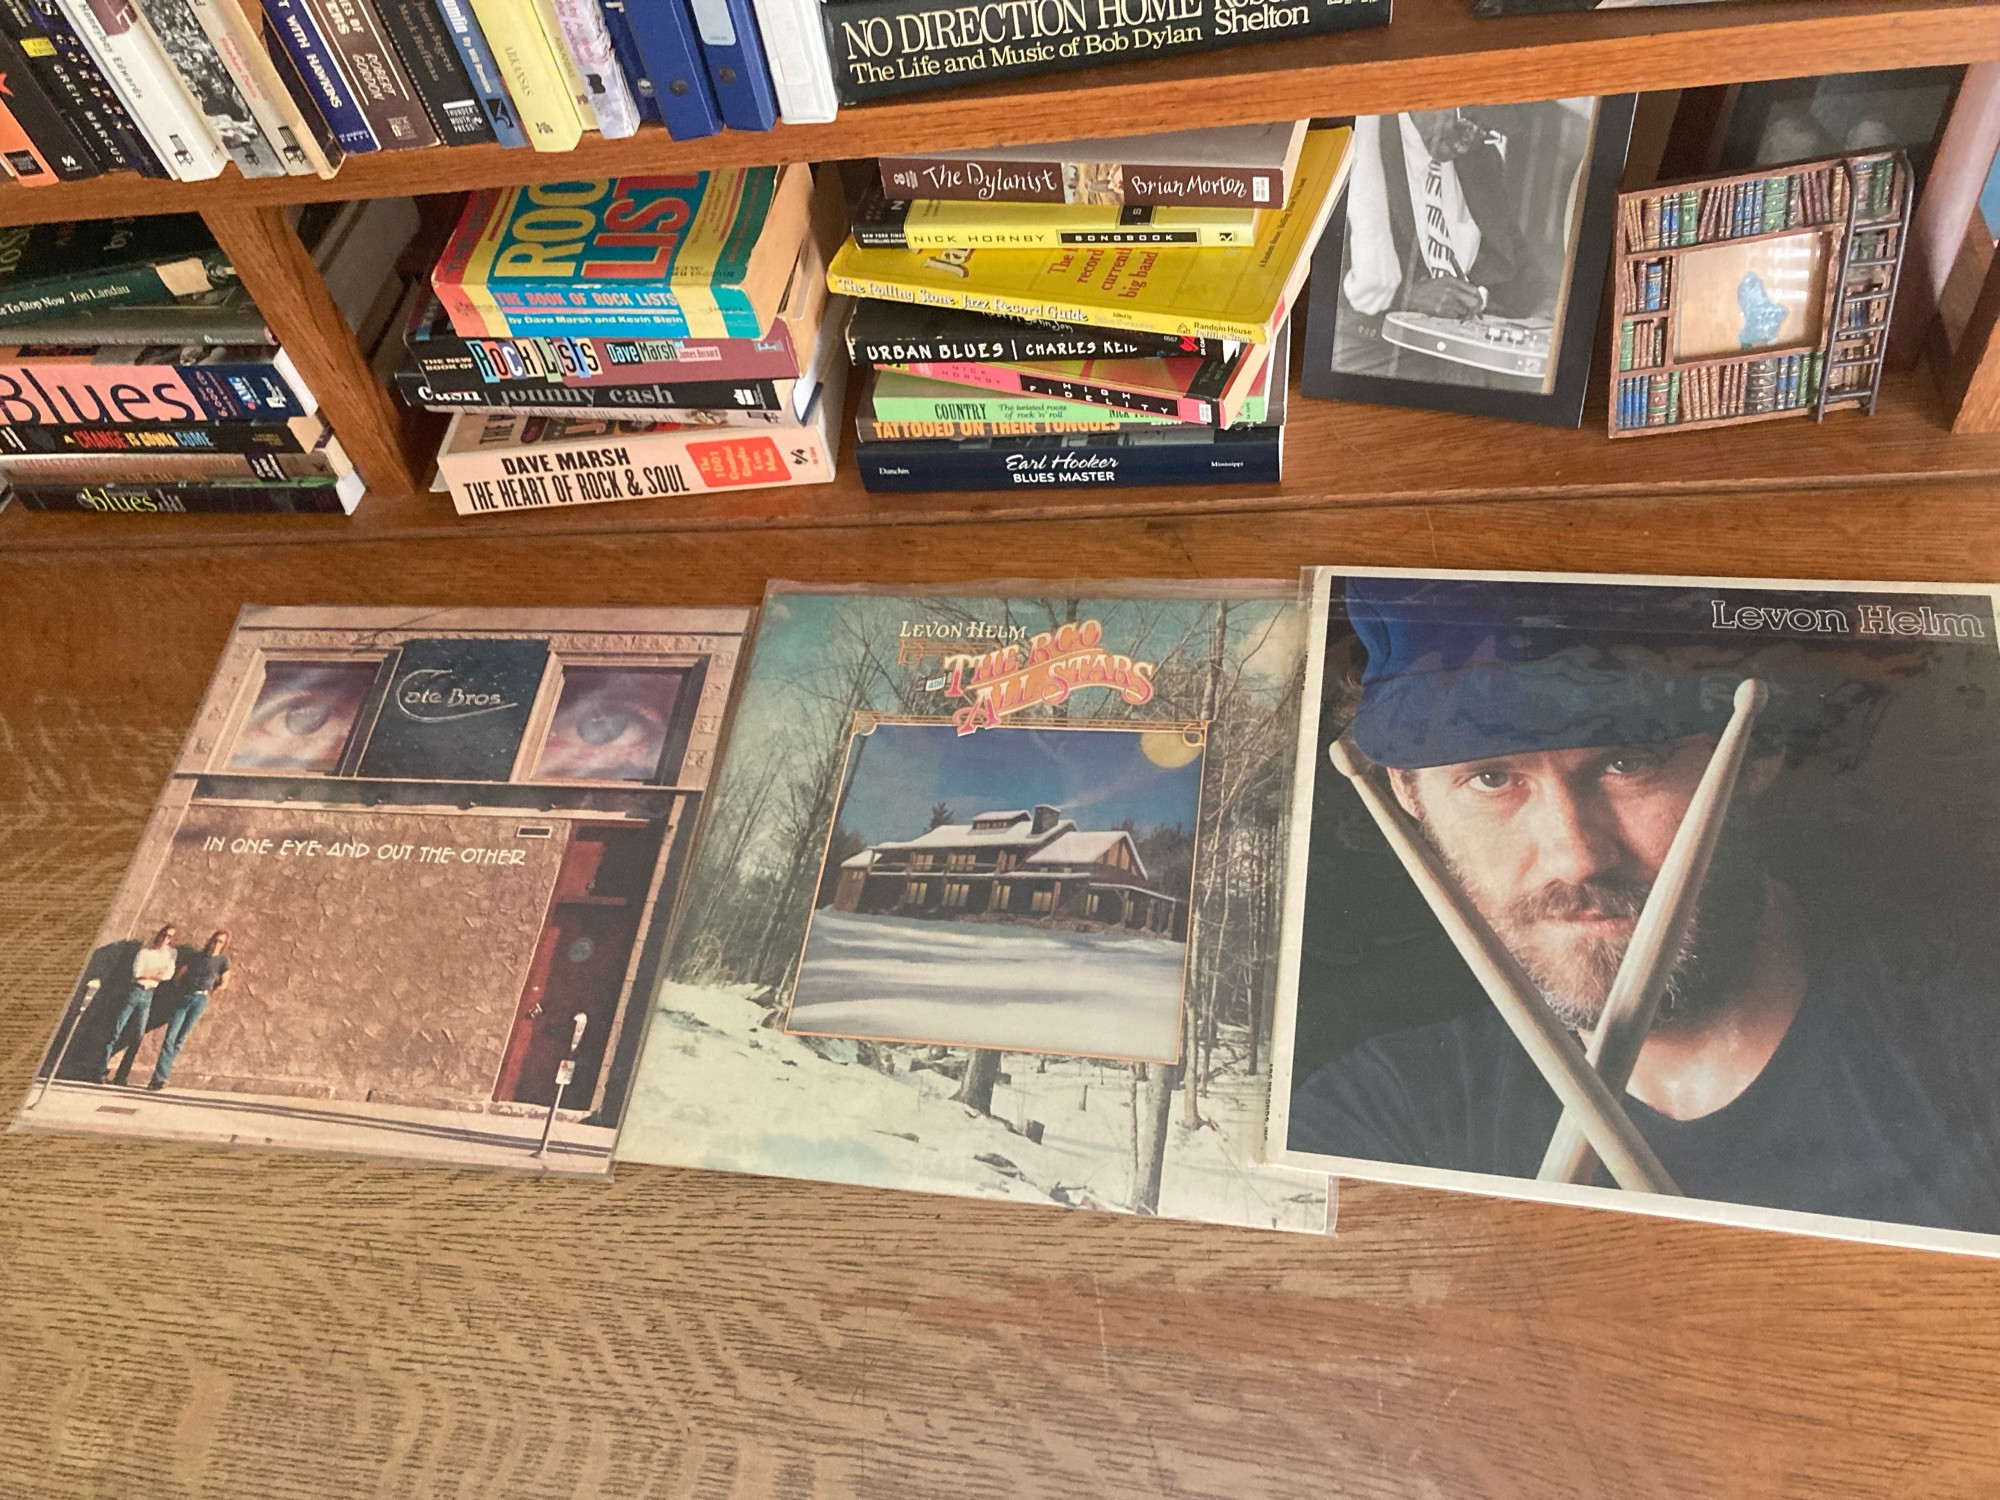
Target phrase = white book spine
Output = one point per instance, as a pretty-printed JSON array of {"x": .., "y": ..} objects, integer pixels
[
  {"x": 489, "y": 469},
  {"x": 236, "y": 41},
  {"x": 801, "y": 67},
  {"x": 589, "y": 46},
  {"x": 202, "y": 72},
  {"x": 138, "y": 73}
]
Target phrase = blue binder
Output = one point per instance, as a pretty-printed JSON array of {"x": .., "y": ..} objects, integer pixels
[
  {"x": 737, "y": 68},
  {"x": 665, "y": 36},
  {"x": 626, "y": 48}
]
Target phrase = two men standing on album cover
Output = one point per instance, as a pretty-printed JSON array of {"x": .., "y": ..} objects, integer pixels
[{"x": 196, "y": 980}]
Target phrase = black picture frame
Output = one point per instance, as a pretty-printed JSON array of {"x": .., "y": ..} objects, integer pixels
[{"x": 1559, "y": 406}]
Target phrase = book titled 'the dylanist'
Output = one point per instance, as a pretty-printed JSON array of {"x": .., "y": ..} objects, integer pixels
[
  {"x": 407, "y": 889},
  {"x": 702, "y": 255},
  {"x": 884, "y": 47}
]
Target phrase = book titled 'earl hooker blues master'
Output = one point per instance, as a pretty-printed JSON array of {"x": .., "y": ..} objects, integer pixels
[
  {"x": 407, "y": 888},
  {"x": 1675, "y": 895},
  {"x": 979, "y": 903}
]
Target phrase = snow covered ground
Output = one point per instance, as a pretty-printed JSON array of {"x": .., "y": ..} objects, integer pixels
[
  {"x": 990, "y": 984},
  {"x": 719, "y": 1089}
]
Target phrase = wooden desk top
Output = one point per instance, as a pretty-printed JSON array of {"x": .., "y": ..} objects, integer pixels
[{"x": 195, "y": 1323}]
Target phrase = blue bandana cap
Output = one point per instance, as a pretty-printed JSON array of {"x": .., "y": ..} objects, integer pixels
[{"x": 1466, "y": 669}]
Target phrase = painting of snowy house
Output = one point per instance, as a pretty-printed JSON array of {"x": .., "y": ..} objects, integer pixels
[{"x": 1034, "y": 866}]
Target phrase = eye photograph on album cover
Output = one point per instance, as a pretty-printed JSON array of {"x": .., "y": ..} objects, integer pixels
[
  {"x": 1737, "y": 839},
  {"x": 1464, "y": 267}
]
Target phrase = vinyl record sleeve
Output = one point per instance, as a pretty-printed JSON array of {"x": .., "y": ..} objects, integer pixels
[
  {"x": 442, "y": 847},
  {"x": 1739, "y": 836},
  {"x": 987, "y": 868}
]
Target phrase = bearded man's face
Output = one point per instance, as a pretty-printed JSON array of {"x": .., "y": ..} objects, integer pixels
[{"x": 1557, "y": 850}]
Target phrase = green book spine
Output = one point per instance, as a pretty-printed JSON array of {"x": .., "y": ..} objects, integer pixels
[
  {"x": 1674, "y": 398},
  {"x": 125, "y": 286},
  {"x": 1625, "y": 346},
  {"x": 1690, "y": 215}
]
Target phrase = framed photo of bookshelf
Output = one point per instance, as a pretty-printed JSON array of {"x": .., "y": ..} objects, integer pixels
[
  {"x": 1760, "y": 295},
  {"x": 1463, "y": 270}
]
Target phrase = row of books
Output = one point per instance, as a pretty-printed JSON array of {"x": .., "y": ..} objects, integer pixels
[
  {"x": 179, "y": 88},
  {"x": 1720, "y": 392},
  {"x": 139, "y": 376}
]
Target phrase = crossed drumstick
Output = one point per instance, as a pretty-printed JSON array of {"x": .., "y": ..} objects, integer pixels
[{"x": 1588, "y": 1080}]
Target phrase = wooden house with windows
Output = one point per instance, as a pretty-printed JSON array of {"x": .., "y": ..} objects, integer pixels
[{"x": 1014, "y": 864}]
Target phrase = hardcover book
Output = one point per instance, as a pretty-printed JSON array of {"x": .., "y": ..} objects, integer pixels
[
  {"x": 1674, "y": 895},
  {"x": 944, "y": 224},
  {"x": 1229, "y": 166},
  {"x": 48, "y": 269},
  {"x": 707, "y": 255},
  {"x": 887, "y": 333},
  {"x": 1155, "y": 455},
  {"x": 1245, "y": 295},
  {"x": 885, "y": 47},
  {"x": 971, "y": 908},
  {"x": 407, "y": 889}
]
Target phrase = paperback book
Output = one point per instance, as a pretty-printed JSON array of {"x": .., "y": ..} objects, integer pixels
[
  {"x": 323, "y": 495},
  {"x": 966, "y": 915},
  {"x": 1228, "y": 166},
  {"x": 1152, "y": 455},
  {"x": 880, "y": 222},
  {"x": 1205, "y": 391},
  {"x": 52, "y": 269},
  {"x": 1672, "y": 895},
  {"x": 407, "y": 889}
]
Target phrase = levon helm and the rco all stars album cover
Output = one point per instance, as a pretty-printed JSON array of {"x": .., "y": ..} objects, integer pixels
[
  {"x": 406, "y": 890},
  {"x": 1676, "y": 895},
  {"x": 986, "y": 902}
]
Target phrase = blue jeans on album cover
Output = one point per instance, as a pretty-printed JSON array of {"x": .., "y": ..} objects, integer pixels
[
  {"x": 179, "y": 1024},
  {"x": 131, "y": 1014}
]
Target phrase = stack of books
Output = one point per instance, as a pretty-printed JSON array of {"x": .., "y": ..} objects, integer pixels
[
  {"x": 138, "y": 376},
  {"x": 631, "y": 339},
  {"x": 1089, "y": 314}
]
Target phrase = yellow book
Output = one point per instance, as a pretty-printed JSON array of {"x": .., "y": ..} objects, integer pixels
[
  {"x": 1242, "y": 295},
  {"x": 949, "y": 224},
  {"x": 535, "y": 82},
  {"x": 579, "y": 92}
]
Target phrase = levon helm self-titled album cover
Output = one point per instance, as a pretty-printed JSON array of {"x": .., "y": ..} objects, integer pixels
[
  {"x": 986, "y": 903},
  {"x": 405, "y": 892},
  {"x": 1668, "y": 894}
]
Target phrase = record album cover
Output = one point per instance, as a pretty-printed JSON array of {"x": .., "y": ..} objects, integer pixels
[
  {"x": 985, "y": 903},
  {"x": 407, "y": 888},
  {"x": 1668, "y": 894}
]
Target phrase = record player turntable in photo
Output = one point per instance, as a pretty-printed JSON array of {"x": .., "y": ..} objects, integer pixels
[{"x": 1463, "y": 271}]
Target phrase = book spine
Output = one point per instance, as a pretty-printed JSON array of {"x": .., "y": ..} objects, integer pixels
[
  {"x": 589, "y": 47},
  {"x": 160, "y": 282},
  {"x": 1090, "y": 393},
  {"x": 168, "y": 467},
  {"x": 1002, "y": 465},
  {"x": 978, "y": 406},
  {"x": 885, "y": 47},
  {"x": 61, "y": 148},
  {"x": 132, "y": 62},
  {"x": 1026, "y": 347},
  {"x": 20, "y": 157},
  {"x": 431, "y": 61},
  {"x": 233, "y": 33},
  {"x": 665, "y": 37},
  {"x": 630, "y": 466},
  {"x": 544, "y": 12},
  {"x": 121, "y": 395},
  {"x": 898, "y": 233},
  {"x": 304, "y": 41},
  {"x": 57, "y": 56},
  {"x": 1624, "y": 346},
  {"x": 483, "y": 69},
  {"x": 534, "y": 77},
  {"x": 605, "y": 361},
  {"x": 458, "y": 291},
  {"x": 194, "y": 57},
  {"x": 734, "y": 55},
  {"x": 381, "y": 88},
  {"x": 1035, "y": 309},
  {"x": 293, "y": 496},
  {"x": 299, "y": 435},
  {"x": 801, "y": 68},
  {"x": 604, "y": 400},
  {"x": 631, "y": 62}
]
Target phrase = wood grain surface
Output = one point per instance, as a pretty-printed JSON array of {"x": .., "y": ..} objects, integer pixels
[
  {"x": 1436, "y": 54},
  {"x": 183, "y": 1323}
]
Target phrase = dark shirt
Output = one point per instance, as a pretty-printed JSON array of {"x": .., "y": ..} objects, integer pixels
[
  {"x": 204, "y": 970},
  {"x": 1882, "y": 1101}
]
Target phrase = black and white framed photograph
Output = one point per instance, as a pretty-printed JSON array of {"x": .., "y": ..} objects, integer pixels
[{"x": 1463, "y": 270}]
